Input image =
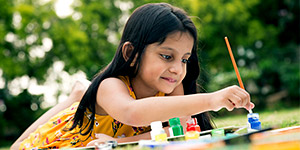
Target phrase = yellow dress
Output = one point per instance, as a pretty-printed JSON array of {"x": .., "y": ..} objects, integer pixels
[{"x": 52, "y": 135}]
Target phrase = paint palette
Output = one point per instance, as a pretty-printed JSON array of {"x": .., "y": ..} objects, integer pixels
[{"x": 286, "y": 138}]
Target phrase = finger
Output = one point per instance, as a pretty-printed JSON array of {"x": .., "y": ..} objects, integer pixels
[
  {"x": 245, "y": 97},
  {"x": 236, "y": 101},
  {"x": 252, "y": 105},
  {"x": 237, "y": 96},
  {"x": 242, "y": 98},
  {"x": 103, "y": 137},
  {"x": 249, "y": 106},
  {"x": 98, "y": 135},
  {"x": 229, "y": 105},
  {"x": 92, "y": 143}
]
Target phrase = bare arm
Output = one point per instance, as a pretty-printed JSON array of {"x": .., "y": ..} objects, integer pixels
[
  {"x": 180, "y": 91},
  {"x": 76, "y": 94},
  {"x": 145, "y": 136},
  {"x": 144, "y": 111}
]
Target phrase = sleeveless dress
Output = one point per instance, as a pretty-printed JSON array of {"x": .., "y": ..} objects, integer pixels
[{"x": 52, "y": 134}]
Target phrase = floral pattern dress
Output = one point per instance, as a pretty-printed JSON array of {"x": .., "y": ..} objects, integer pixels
[{"x": 52, "y": 134}]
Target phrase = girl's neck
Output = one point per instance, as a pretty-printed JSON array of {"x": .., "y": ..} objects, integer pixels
[{"x": 141, "y": 91}]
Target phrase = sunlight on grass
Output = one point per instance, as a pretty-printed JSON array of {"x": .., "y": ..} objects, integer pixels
[{"x": 281, "y": 119}]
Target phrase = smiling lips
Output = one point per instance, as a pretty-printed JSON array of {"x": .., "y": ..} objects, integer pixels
[{"x": 171, "y": 80}]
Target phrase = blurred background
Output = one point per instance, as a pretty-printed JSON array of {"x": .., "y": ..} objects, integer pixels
[{"x": 46, "y": 45}]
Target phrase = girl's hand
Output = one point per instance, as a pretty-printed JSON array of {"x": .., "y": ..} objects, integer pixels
[
  {"x": 230, "y": 98},
  {"x": 101, "y": 138}
]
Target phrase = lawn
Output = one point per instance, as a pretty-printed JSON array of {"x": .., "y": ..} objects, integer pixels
[{"x": 279, "y": 118}]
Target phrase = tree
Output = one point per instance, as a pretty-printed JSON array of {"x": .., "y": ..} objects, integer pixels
[{"x": 34, "y": 39}]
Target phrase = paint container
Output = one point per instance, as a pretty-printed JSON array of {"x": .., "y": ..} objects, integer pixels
[
  {"x": 175, "y": 127},
  {"x": 192, "y": 125},
  {"x": 113, "y": 143},
  {"x": 191, "y": 135},
  {"x": 103, "y": 146},
  {"x": 193, "y": 129},
  {"x": 218, "y": 133},
  {"x": 158, "y": 134},
  {"x": 253, "y": 122}
]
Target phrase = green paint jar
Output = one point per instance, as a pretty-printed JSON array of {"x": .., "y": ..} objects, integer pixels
[
  {"x": 175, "y": 127},
  {"x": 218, "y": 133}
]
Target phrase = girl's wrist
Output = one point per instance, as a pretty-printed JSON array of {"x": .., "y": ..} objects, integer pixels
[{"x": 211, "y": 102}]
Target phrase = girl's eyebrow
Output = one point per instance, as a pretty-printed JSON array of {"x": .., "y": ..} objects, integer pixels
[{"x": 172, "y": 49}]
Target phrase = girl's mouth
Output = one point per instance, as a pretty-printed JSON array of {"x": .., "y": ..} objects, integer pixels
[{"x": 171, "y": 80}]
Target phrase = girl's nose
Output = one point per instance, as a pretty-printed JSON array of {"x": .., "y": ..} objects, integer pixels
[{"x": 176, "y": 67}]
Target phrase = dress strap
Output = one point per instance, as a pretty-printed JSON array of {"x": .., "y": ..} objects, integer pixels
[{"x": 126, "y": 80}]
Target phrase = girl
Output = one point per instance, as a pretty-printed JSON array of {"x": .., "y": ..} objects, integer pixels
[{"x": 151, "y": 77}]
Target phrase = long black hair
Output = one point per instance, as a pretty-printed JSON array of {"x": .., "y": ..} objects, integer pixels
[{"x": 148, "y": 24}]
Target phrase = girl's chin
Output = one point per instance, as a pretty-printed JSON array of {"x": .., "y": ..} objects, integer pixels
[{"x": 168, "y": 91}]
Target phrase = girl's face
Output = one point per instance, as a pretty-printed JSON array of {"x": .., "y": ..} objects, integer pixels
[{"x": 163, "y": 66}]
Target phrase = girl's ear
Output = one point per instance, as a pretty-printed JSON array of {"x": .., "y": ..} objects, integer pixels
[{"x": 127, "y": 50}]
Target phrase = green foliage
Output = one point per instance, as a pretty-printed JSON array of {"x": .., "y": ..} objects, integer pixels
[
  {"x": 79, "y": 40},
  {"x": 267, "y": 57}
]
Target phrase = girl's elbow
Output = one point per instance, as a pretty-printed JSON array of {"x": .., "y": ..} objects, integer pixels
[
  {"x": 15, "y": 146},
  {"x": 136, "y": 118}
]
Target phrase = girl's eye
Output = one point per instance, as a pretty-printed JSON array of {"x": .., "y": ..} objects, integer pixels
[
  {"x": 165, "y": 56},
  {"x": 185, "y": 61}
]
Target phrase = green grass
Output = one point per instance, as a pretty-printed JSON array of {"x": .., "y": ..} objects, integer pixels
[{"x": 280, "y": 119}]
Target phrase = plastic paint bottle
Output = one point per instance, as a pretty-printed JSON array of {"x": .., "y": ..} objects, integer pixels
[
  {"x": 253, "y": 122},
  {"x": 175, "y": 127},
  {"x": 217, "y": 133},
  {"x": 192, "y": 129},
  {"x": 191, "y": 135},
  {"x": 192, "y": 125},
  {"x": 161, "y": 137},
  {"x": 103, "y": 146},
  {"x": 157, "y": 132}
]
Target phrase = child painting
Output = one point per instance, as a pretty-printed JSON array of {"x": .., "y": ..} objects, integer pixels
[{"x": 152, "y": 77}]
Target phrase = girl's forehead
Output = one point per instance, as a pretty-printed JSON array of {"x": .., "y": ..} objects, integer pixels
[
  {"x": 182, "y": 41},
  {"x": 178, "y": 35}
]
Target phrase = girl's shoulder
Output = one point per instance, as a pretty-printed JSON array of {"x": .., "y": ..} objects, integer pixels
[
  {"x": 117, "y": 84},
  {"x": 116, "y": 81}
]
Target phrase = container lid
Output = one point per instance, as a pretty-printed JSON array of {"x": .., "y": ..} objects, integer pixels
[
  {"x": 251, "y": 115},
  {"x": 191, "y": 122},
  {"x": 174, "y": 121},
  {"x": 156, "y": 125}
]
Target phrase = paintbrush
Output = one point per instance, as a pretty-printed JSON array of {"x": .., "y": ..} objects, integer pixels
[{"x": 235, "y": 67}]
